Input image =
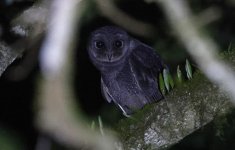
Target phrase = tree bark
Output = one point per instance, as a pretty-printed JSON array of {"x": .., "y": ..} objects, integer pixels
[{"x": 185, "y": 109}]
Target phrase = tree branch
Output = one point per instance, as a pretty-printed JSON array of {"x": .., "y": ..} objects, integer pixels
[
  {"x": 109, "y": 10},
  {"x": 186, "y": 109},
  {"x": 29, "y": 26}
]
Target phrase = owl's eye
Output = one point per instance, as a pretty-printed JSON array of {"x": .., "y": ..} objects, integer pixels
[
  {"x": 99, "y": 44},
  {"x": 118, "y": 44}
]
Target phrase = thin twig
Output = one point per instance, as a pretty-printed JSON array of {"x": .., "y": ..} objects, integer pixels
[{"x": 109, "y": 10}]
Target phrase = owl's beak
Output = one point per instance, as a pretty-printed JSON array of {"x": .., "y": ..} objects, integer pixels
[{"x": 110, "y": 56}]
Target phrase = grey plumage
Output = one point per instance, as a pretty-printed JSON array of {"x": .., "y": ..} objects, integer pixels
[{"x": 129, "y": 68}]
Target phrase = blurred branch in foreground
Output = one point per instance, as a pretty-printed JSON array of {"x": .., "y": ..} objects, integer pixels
[
  {"x": 109, "y": 10},
  {"x": 57, "y": 110},
  {"x": 202, "y": 48}
]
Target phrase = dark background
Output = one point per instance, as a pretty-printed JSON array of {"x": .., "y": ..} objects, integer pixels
[{"x": 17, "y": 96}]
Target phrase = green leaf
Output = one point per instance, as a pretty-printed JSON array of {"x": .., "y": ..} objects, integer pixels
[
  {"x": 188, "y": 69},
  {"x": 179, "y": 74},
  {"x": 161, "y": 84},
  {"x": 166, "y": 79},
  {"x": 101, "y": 125},
  {"x": 171, "y": 81},
  {"x": 93, "y": 125}
]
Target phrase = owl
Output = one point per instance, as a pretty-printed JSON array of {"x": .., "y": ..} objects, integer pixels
[{"x": 129, "y": 68}]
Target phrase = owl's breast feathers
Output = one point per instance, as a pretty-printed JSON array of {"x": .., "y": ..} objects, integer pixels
[{"x": 136, "y": 84}]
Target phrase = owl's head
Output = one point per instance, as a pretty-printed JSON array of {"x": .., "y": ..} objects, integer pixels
[{"x": 109, "y": 46}]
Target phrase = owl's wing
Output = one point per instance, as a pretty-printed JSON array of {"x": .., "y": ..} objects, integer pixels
[
  {"x": 109, "y": 98},
  {"x": 146, "y": 65},
  {"x": 147, "y": 57},
  {"x": 105, "y": 92}
]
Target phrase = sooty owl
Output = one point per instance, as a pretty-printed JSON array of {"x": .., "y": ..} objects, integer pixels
[{"x": 129, "y": 68}]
